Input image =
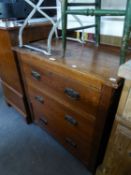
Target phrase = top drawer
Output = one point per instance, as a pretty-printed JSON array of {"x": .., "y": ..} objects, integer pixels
[{"x": 67, "y": 91}]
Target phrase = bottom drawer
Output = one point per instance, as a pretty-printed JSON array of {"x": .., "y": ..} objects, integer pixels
[
  {"x": 14, "y": 98},
  {"x": 49, "y": 114}
]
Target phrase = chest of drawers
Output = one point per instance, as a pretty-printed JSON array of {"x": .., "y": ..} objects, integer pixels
[
  {"x": 74, "y": 98},
  {"x": 9, "y": 72}
]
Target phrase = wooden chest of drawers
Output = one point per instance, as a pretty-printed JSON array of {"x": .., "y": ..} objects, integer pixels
[
  {"x": 9, "y": 72},
  {"x": 73, "y": 98}
]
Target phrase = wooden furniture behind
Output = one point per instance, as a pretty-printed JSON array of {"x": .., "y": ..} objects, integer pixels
[
  {"x": 117, "y": 160},
  {"x": 9, "y": 73},
  {"x": 75, "y": 97}
]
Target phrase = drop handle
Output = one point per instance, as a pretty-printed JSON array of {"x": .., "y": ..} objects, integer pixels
[
  {"x": 43, "y": 120},
  {"x": 71, "y": 142},
  {"x": 129, "y": 154},
  {"x": 39, "y": 99},
  {"x": 35, "y": 75},
  {"x": 72, "y": 93},
  {"x": 71, "y": 120}
]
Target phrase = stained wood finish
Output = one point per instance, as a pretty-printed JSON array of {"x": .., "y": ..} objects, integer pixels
[
  {"x": 84, "y": 99},
  {"x": 75, "y": 135},
  {"x": 80, "y": 126},
  {"x": 88, "y": 64},
  {"x": 8, "y": 69},
  {"x": 15, "y": 98},
  {"x": 9, "y": 72},
  {"x": 91, "y": 73}
]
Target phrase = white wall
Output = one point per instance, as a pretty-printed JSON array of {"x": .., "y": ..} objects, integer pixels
[{"x": 109, "y": 25}]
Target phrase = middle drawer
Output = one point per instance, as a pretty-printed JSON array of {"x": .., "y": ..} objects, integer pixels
[{"x": 66, "y": 90}]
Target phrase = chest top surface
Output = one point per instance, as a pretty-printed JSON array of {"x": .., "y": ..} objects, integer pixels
[{"x": 100, "y": 63}]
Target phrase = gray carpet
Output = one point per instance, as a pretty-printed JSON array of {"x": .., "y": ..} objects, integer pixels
[{"x": 28, "y": 150}]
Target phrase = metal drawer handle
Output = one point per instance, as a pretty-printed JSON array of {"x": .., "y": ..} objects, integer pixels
[
  {"x": 72, "y": 93},
  {"x": 35, "y": 75},
  {"x": 71, "y": 120},
  {"x": 71, "y": 142},
  {"x": 129, "y": 154},
  {"x": 43, "y": 120},
  {"x": 39, "y": 99}
]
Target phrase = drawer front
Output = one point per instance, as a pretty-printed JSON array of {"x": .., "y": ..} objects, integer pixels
[
  {"x": 75, "y": 124},
  {"x": 14, "y": 98},
  {"x": 70, "y": 128},
  {"x": 68, "y": 91}
]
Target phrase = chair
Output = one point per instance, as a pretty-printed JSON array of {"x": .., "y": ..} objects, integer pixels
[
  {"x": 97, "y": 12},
  {"x": 39, "y": 8}
]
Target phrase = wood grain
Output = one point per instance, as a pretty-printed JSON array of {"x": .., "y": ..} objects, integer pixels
[
  {"x": 117, "y": 159},
  {"x": 56, "y": 85},
  {"x": 9, "y": 71},
  {"x": 92, "y": 65},
  {"x": 45, "y": 82}
]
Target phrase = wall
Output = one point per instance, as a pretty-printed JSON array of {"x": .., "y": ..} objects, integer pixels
[{"x": 110, "y": 26}]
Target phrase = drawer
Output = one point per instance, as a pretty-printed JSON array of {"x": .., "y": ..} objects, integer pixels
[
  {"x": 14, "y": 98},
  {"x": 75, "y": 124},
  {"x": 71, "y": 129},
  {"x": 68, "y": 91}
]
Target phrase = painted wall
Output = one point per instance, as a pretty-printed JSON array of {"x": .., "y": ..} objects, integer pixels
[{"x": 111, "y": 26}]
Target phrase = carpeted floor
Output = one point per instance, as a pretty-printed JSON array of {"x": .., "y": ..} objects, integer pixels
[{"x": 28, "y": 150}]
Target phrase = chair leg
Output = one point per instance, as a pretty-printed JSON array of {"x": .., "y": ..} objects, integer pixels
[
  {"x": 97, "y": 21},
  {"x": 64, "y": 25},
  {"x": 126, "y": 33}
]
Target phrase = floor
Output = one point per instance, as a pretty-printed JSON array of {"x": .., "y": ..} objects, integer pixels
[{"x": 28, "y": 150}]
